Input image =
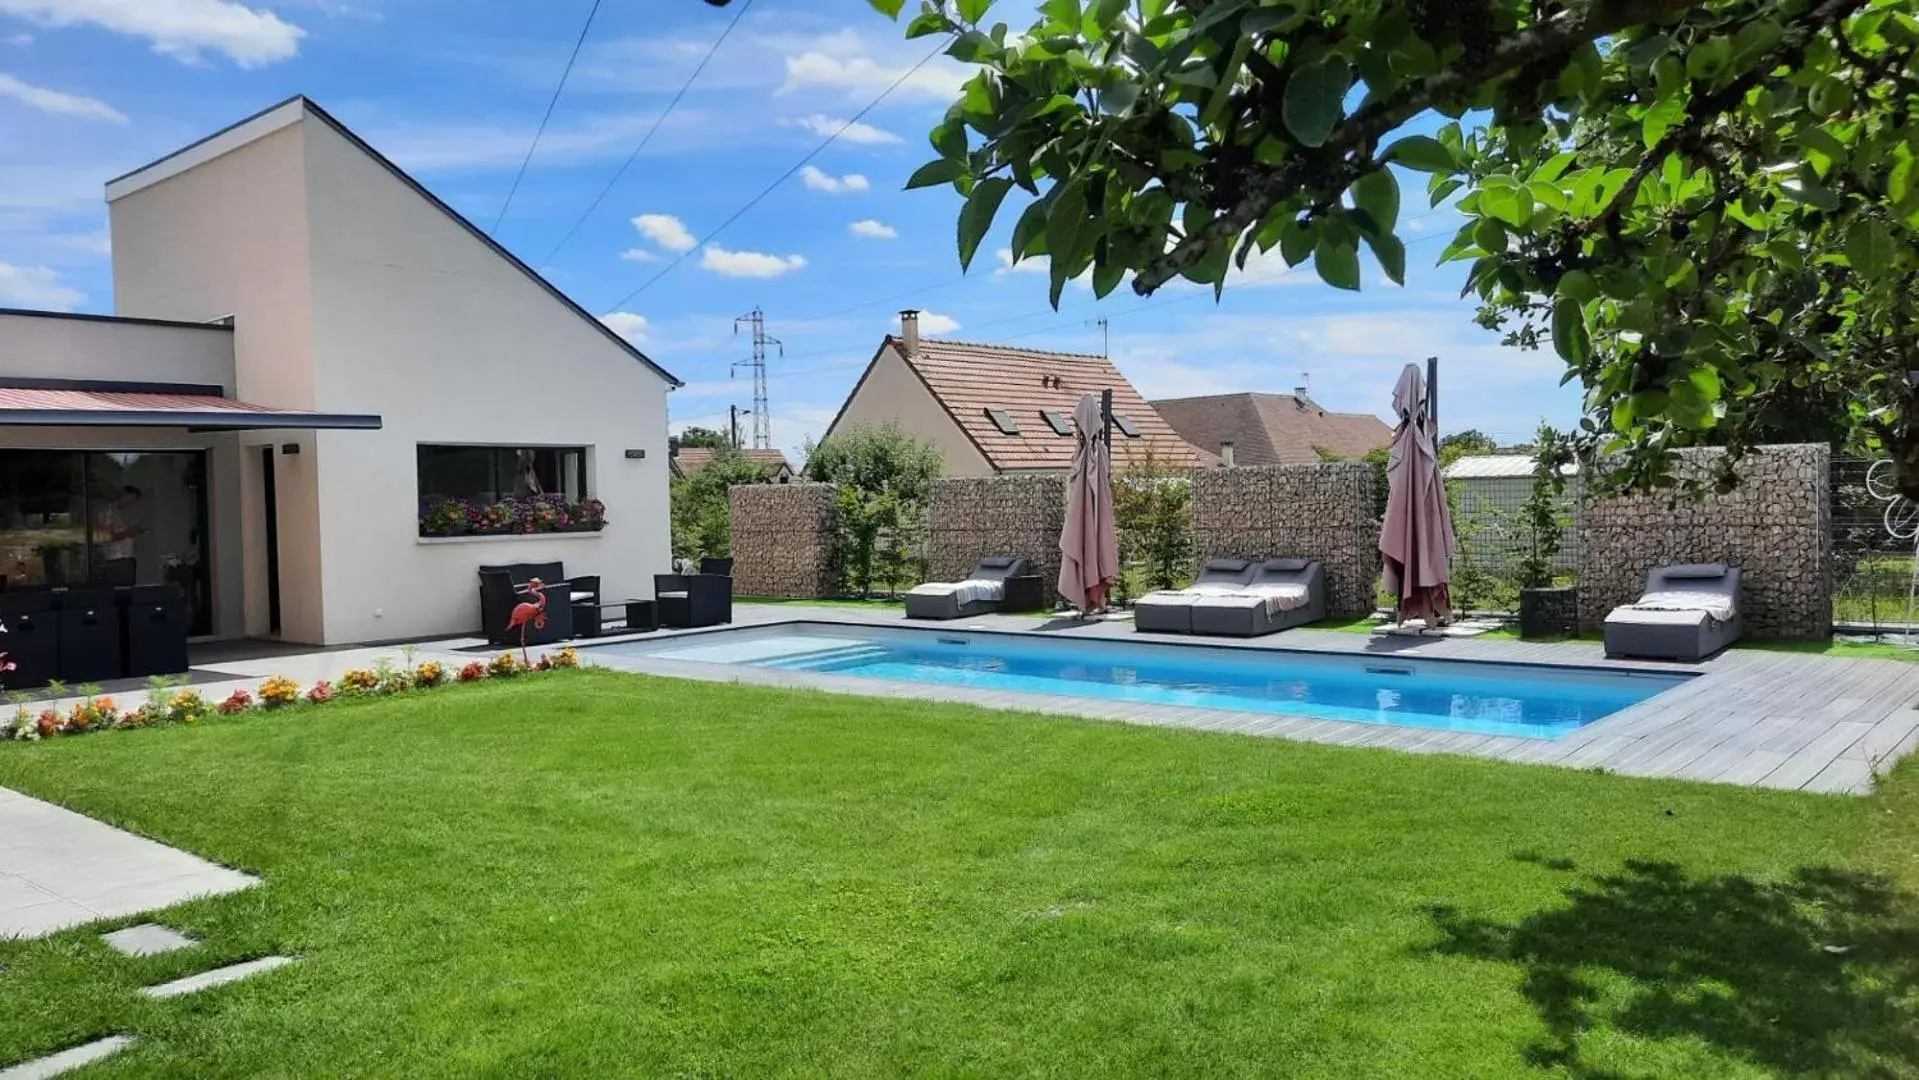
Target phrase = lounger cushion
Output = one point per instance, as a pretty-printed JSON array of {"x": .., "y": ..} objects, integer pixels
[
  {"x": 1657, "y": 616},
  {"x": 1275, "y": 598},
  {"x": 1713, "y": 571},
  {"x": 1287, "y": 564},
  {"x": 1226, "y": 566},
  {"x": 967, "y": 592},
  {"x": 998, "y": 562}
]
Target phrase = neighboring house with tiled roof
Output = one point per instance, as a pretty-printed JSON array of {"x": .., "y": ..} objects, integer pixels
[
  {"x": 1272, "y": 429},
  {"x": 990, "y": 409},
  {"x": 688, "y": 460}
]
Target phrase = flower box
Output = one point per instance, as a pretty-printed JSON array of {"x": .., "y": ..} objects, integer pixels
[{"x": 440, "y": 518}]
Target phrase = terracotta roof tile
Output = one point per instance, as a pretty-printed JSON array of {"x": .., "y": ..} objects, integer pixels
[
  {"x": 1272, "y": 429},
  {"x": 692, "y": 459},
  {"x": 970, "y": 379}
]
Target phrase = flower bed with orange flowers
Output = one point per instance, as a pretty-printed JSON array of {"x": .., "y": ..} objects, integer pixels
[{"x": 170, "y": 702}]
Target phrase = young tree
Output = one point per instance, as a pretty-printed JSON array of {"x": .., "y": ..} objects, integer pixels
[
  {"x": 884, "y": 476},
  {"x": 702, "y": 514},
  {"x": 1705, "y": 207},
  {"x": 703, "y": 438}
]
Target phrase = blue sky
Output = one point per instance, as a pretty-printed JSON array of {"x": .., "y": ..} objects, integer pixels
[{"x": 453, "y": 91}]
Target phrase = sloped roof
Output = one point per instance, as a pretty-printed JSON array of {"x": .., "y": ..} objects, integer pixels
[
  {"x": 1272, "y": 429},
  {"x": 691, "y": 459},
  {"x": 297, "y": 108},
  {"x": 1498, "y": 466},
  {"x": 84, "y": 407},
  {"x": 969, "y": 379}
]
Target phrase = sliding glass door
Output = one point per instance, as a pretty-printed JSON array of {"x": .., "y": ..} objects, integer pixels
[{"x": 104, "y": 518}]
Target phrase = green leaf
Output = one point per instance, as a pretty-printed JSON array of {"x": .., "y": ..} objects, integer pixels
[
  {"x": 1578, "y": 286},
  {"x": 1296, "y": 241},
  {"x": 1555, "y": 167},
  {"x": 1391, "y": 254},
  {"x": 974, "y": 10},
  {"x": 977, "y": 216},
  {"x": 1752, "y": 42},
  {"x": 973, "y": 47},
  {"x": 1107, "y": 275},
  {"x": 1030, "y": 227},
  {"x": 1421, "y": 153},
  {"x": 1569, "y": 332},
  {"x": 950, "y": 139},
  {"x": 1316, "y": 100},
  {"x": 1064, "y": 219},
  {"x": 1118, "y": 97},
  {"x": 1489, "y": 236},
  {"x": 926, "y": 24},
  {"x": 1337, "y": 263},
  {"x": 1870, "y": 247},
  {"x": 1668, "y": 76},
  {"x": 1377, "y": 195},
  {"x": 888, "y": 8},
  {"x": 1108, "y": 12},
  {"x": 943, "y": 171},
  {"x": 1899, "y": 180},
  {"x": 1708, "y": 59},
  {"x": 1823, "y": 150},
  {"x": 1660, "y": 118}
]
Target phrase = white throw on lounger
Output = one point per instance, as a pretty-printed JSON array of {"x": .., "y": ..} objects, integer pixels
[{"x": 1284, "y": 593}]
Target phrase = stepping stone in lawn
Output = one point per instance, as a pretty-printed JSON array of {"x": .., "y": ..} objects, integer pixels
[
  {"x": 147, "y": 939},
  {"x": 206, "y": 980},
  {"x": 68, "y": 1060}
]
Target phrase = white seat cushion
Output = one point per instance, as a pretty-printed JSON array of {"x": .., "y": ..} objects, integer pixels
[
  {"x": 1656, "y": 616},
  {"x": 673, "y": 595}
]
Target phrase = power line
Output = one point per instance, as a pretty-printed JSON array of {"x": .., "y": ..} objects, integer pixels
[
  {"x": 525, "y": 161},
  {"x": 781, "y": 179},
  {"x": 648, "y": 137}
]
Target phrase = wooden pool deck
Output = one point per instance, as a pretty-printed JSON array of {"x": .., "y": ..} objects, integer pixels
[{"x": 1753, "y": 717}]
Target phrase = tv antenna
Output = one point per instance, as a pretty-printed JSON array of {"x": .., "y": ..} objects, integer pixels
[{"x": 1105, "y": 335}]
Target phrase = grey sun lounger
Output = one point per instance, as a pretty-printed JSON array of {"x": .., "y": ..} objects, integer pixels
[
  {"x": 998, "y": 583},
  {"x": 1284, "y": 593},
  {"x": 1688, "y": 612},
  {"x": 1171, "y": 612}
]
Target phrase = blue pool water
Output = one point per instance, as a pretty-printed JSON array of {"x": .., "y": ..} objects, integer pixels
[{"x": 1497, "y": 699}]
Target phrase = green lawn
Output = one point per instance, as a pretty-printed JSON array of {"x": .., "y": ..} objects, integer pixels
[{"x": 597, "y": 874}]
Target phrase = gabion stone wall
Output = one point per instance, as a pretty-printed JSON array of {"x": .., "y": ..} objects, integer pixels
[
  {"x": 1322, "y": 512},
  {"x": 783, "y": 539},
  {"x": 1775, "y": 526},
  {"x": 969, "y": 517}
]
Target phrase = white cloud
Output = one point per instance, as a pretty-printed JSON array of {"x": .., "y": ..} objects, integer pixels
[
  {"x": 877, "y": 230},
  {"x": 665, "y": 230},
  {"x": 17, "y": 39},
  {"x": 840, "y": 130},
  {"x": 638, "y": 255},
  {"x": 182, "y": 29},
  {"x": 932, "y": 322},
  {"x": 37, "y": 287},
  {"x": 54, "y": 101},
  {"x": 839, "y": 64},
  {"x": 820, "y": 180},
  {"x": 626, "y": 324},
  {"x": 751, "y": 264}
]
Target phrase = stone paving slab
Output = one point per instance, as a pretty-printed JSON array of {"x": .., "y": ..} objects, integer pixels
[
  {"x": 59, "y": 869},
  {"x": 147, "y": 939},
  {"x": 68, "y": 1060},
  {"x": 221, "y": 976}
]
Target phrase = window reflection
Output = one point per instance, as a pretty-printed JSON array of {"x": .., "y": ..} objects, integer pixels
[{"x": 78, "y": 518}]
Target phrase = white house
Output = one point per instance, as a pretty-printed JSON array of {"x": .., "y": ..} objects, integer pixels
[{"x": 308, "y": 348}]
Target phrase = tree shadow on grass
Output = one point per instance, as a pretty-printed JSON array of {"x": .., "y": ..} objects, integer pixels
[{"x": 1814, "y": 976}]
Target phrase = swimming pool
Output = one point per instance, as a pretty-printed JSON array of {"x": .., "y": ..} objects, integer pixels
[{"x": 1533, "y": 701}]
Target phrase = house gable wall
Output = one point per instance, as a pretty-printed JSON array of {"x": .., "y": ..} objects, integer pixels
[{"x": 891, "y": 393}]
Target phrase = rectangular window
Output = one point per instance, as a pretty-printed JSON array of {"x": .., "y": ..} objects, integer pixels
[
  {"x": 1126, "y": 427},
  {"x": 1057, "y": 421},
  {"x": 1004, "y": 421},
  {"x": 484, "y": 490}
]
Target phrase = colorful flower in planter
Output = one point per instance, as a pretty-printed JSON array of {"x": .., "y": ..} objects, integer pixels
[
  {"x": 473, "y": 672},
  {"x": 567, "y": 657},
  {"x": 279, "y": 691},
  {"x": 320, "y": 693},
  {"x": 188, "y": 707},
  {"x": 428, "y": 674},
  {"x": 359, "y": 681},
  {"x": 539, "y": 514},
  {"x": 237, "y": 702},
  {"x": 47, "y": 724},
  {"x": 503, "y": 666}
]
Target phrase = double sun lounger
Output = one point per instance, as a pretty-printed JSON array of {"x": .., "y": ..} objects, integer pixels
[
  {"x": 1688, "y": 612},
  {"x": 1238, "y": 598}
]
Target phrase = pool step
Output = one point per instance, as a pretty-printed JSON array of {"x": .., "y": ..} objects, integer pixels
[{"x": 815, "y": 660}]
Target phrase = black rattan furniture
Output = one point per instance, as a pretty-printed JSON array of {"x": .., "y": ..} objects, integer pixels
[
  {"x": 584, "y": 598},
  {"x": 688, "y": 600},
  {"x": 32, "y": 640},
  {"x": 504, "y": 587},
  {"x": 712, "y": 565},
  {"x": 642, "y": 616},
  {"x": 1019, "y": 590},
  {"x": 155, "y": 619},
  {"x": 90, "y": 635}
]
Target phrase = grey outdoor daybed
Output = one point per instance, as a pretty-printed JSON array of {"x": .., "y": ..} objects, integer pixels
[
  {"x": 1688, "y": 612},
  {"x": 998, "y": 583},
  {"x": 1170, "y": 611},
  {"x": 1284, "y": 593}
]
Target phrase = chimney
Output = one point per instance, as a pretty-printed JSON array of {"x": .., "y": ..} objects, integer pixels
[
  {"x": 1226, "y": 454},
  {"x": 910, "y": 330}
]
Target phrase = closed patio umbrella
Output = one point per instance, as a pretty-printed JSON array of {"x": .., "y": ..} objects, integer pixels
[
  {"x": 1089, "y": 543},
  {"x": 1417, "y": 537}
]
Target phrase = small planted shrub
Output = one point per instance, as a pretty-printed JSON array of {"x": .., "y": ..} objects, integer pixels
[
  {"x": 148, "y": 715},
  {"x": 503, "y": 666},
  {"x": 93, "y": 714},
  {"x": 473, "y": 672},
  {"x": 278, "y": 691},
  {"x": 320, "y": 693},
  {"x": 236, "y": 703},
  {"x": 359, "y": 681},
  {"x": 567, "y": 657},
  {"x": 47, "y": 724},
  {"x": 429, "y": 675},
  {"x": 188, "y": 707}
]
